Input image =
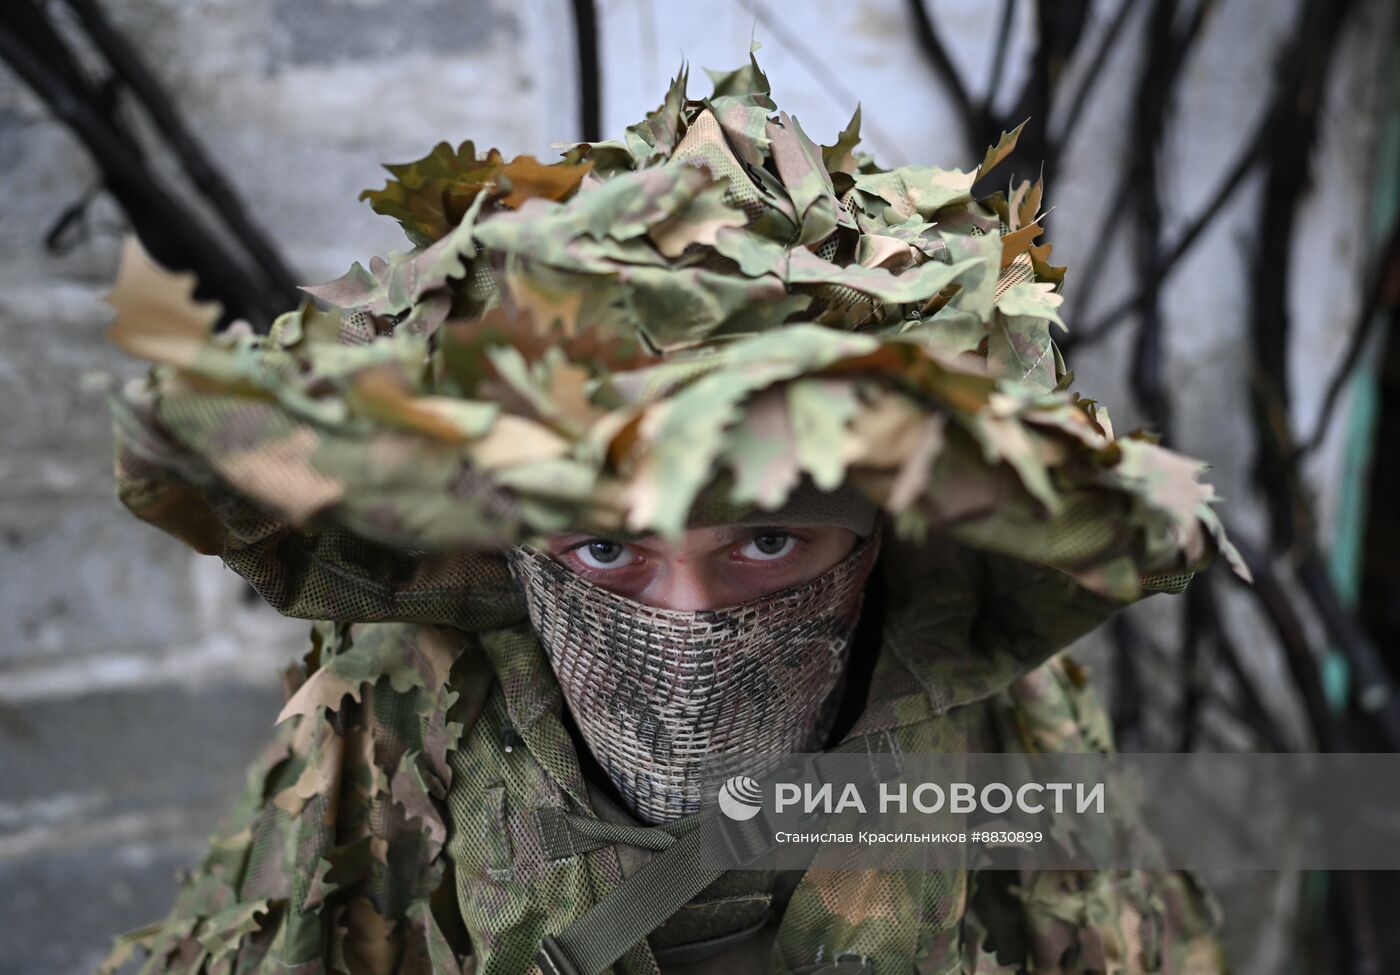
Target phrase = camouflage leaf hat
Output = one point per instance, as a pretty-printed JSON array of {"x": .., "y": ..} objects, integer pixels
[{"x": 713, "y": 312}]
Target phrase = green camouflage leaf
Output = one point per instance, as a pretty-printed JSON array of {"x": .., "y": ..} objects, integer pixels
[
  {"x": 995, "y": 154},
  {"x": 820, "y": 412},
  {"x": 657, "y": 135},
  {"x": 917, "y": 190},
  {"x": 808, "y": 184},
  {"x": 839, "y": 157},
  {"x": 761, "y": 450},
  {"x": 748, "y": 80},
  {"x": 744, "y": 120}
]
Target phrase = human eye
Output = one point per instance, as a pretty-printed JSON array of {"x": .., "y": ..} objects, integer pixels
[
  {"x": 603, "y": 554},
  {"x": 768, "y": 546}
]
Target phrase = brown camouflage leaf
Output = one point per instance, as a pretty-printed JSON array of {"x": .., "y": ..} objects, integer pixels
[
  {"x": 1018, "y": 242},
  {"x": 372, "y": 942},
  {"x": 381, "y": 392},
  {"x": 430, "y": 196},
  {"x": 528, "y": 178},
  {"x": 1044, "y": 270}
]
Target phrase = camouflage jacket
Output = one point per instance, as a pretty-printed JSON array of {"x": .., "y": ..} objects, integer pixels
[
  {"x": 392, "y": 827},
  {"x": 714, "y": 302}
]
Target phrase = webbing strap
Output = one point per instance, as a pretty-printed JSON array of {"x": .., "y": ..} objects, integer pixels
[
  {"x": 641, "y": 903},
  {"x": 565, "y": 834}
]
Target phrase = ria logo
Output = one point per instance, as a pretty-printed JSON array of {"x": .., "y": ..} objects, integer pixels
[{"x": 740, "y": 798}]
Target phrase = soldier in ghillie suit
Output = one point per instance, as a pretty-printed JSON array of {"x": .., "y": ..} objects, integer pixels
[{"x": 704, "y": 442}]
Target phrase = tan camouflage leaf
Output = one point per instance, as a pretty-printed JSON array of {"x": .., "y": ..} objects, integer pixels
[
  {"x": 280, "y": 473},
  {"x": 883, "y": 433},
  {"x": 1011, "y": 206},
  {"x": 877, "y": 250},
  {"x": 515, "y": 440},
  {"x": 549, "y": 298},
  {"x": 321, "y": 775},
  {"x": 913, "y": 474},
  {"x": 381, "y": 392},
  {"x": 1028, "y": 208},
  {"x": 698, "y": 223},
  {"x": 157, "y": 316},
  {"x": 531, "y": 178},
  {"x": 568, "y": 391},
  {"x": 641, "y": 495},
  {"x": 323, "y": 689}
]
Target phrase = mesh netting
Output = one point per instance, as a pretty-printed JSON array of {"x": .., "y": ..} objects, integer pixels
[
  {"x": 673, "y": 703},
  {"x": 704, "y": 143}
]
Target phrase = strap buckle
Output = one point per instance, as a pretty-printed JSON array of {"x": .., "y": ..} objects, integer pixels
[
  {"x": 553, "y": 960},
  {"x": 748, "y": 840},
  {"x": 846, "y": 963}
]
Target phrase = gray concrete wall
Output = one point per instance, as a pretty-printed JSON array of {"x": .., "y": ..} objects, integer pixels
[{"x": 135, "y": 678}]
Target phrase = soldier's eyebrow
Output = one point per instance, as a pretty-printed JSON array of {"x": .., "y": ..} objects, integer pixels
[
  {"x": 733, "y": 533},
  {"x": 569, "y": 539}
]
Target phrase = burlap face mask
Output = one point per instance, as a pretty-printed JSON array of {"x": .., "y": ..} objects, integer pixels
[{"x": 673, "y": 703}]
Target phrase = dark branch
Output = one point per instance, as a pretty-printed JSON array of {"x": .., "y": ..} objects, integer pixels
[
  {"x": 1298, "y": 655},
  {"x": 1383, "y": 291},
  {"x": 1376, "y": 694},
  {"x": 171, "y": 233},
  {"x": 1008, "y": 9},
  {"x": 1249, "y": 158},
  {"x": 132, "y": 71},
  {"x": 590, "y": 80},
  {"x": 1093, "y": 72}
]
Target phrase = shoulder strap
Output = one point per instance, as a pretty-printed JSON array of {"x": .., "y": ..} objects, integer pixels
[
  {"x": 680, "y": 870},
  {"x": 642, "y": 902}
]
